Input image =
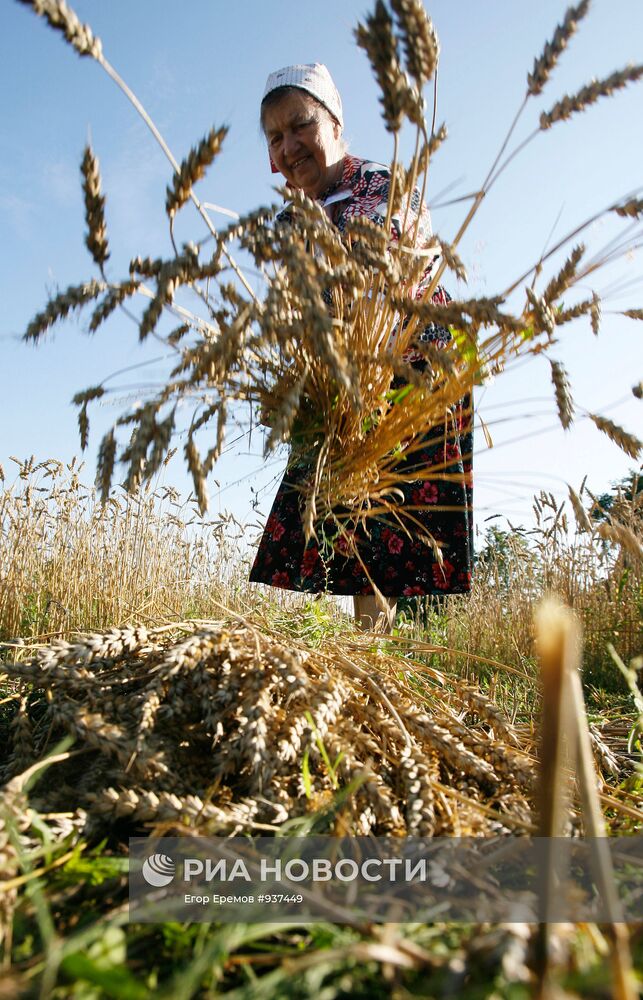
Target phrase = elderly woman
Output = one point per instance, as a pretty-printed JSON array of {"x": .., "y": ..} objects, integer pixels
[{"x": 301, "y": 116}]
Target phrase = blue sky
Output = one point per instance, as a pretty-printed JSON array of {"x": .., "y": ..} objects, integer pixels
[{"x": 205, "y": 63}]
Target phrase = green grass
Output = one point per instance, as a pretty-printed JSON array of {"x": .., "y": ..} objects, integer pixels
[{"x": 71, "y": 936}]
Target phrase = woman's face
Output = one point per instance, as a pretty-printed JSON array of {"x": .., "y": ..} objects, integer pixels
[{"x": 304, "y": 142}]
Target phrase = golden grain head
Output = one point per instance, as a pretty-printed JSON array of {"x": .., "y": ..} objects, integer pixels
[
  {"x": 105, "y": 464},
  {"x": 564, "y": 400},
  {"x": 192, "y": 169},
  {"x": 565, "y": 277},
  {"x": 378, "y": 40},
  {"x": 195, "y": 466},
  {"x": 633, "y": 208},
  {"x": 595, "y": 314},
  {"x": 588, "y": 95},
  {"x": 62, "y": 18},
  {"x": 544, "y": 65},
  {"x": 96, "y": 239},
  {"x": 582, "y": 518},
  {"x": 419, "y": 39},
  {"x": 61, "y": 305},
  {"x": 116, "y": 295},
  {"x": 452, "y": 260},
  {"x": 622, "y": 534},
  {"x": 629, "y": 443}
]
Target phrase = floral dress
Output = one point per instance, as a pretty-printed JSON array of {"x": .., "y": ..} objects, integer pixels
[{"x": 397, "y": 563}]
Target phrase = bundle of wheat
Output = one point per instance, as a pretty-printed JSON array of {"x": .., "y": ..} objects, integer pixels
[{"x": 228, "y": 729}]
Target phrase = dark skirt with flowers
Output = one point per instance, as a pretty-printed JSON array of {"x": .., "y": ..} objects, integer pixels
[{"x": 399, "y": 563}]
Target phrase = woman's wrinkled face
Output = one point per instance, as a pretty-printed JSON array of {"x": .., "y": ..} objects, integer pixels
[{"x": 304, "y": 142}]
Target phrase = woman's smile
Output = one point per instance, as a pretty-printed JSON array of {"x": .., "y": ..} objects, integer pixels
[{"x": 300, "y": 162}]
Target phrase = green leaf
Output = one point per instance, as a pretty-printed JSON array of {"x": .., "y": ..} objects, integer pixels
[
  {"x": 322, "y": 749},
  {"x": 632, "y": 738},
  {"x": 104, "y": 965},
  {"x": 466, "y": 345},
  {"x": 95, "y": 870},
  {"x": 114, "y": 981},
  {"x": 305, "y": 774},
  {"x": 395, "y": 396}
]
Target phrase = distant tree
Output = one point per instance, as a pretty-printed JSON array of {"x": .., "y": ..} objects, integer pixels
[
  {"x": 623, "y": 498},
  {"x": 503, "y": 553}
]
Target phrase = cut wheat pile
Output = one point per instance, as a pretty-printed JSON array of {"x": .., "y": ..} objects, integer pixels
[{"x": 208, "y": 730}]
